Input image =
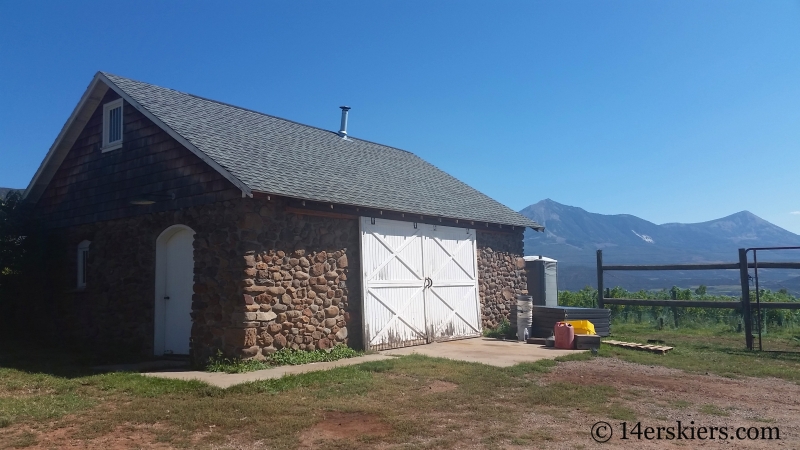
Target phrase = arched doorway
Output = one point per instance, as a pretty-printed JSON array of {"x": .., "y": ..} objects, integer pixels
[{"x": 174, "y": 288}]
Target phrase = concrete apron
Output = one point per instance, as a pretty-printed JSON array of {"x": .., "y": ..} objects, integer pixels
[
  {"x": 485, "y": 351},
  {"x": 479, "y": 350}
]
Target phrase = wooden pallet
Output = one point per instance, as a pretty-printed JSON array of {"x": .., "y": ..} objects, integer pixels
[{"x": 660, "y": 349}]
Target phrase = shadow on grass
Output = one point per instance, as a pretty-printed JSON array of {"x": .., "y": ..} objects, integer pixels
[{"x": 56, "y": 359}]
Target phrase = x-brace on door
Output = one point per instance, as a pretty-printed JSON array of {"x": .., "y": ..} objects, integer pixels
[{"x": 420, "y": 283}]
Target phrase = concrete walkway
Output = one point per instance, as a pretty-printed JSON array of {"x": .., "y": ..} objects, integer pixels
[
  {"x": 224, "y": 380},
  {"x": 485, "y": 351},
  {"x": 480, "y": 350}
]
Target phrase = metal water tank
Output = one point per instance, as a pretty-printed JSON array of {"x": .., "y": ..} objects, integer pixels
[{"x": 542, "y": 280}]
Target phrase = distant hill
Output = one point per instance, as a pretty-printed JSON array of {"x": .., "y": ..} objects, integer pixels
[{"x": 573, "y": 235}]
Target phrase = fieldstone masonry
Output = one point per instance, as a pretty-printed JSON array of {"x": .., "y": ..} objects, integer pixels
[
  {"x": 296, "y": 300},
  {"x": 264, "y": 279},
  {"x": 257, "y": 268},
  {"x": 501, "y": 275},
  {"x": 292, "y": 288}
]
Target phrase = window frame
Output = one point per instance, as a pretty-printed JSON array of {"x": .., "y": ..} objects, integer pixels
[
  {"x": 107, "y": 108},
  {"x": 83, "y": 263}
]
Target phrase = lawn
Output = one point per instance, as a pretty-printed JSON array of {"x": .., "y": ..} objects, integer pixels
[
  {"x": 712, "y": 349},
  {"x": 47, "y": 400}
]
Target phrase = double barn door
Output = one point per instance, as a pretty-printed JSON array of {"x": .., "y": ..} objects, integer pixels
[{"x": 420, "y": 283}]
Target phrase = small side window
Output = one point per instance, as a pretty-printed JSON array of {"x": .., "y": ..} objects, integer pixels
[
  {"x": 112, "y": 125},
  {"x": 83, "y": 260}
]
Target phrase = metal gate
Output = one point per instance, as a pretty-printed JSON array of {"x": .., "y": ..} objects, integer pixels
[{"x": 420, "y": 283}]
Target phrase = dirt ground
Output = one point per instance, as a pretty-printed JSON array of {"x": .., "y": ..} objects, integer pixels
[
  {"x": 661, "y": 396},
  {"x": 658, "y": 396},
  {"x": 348, "y": 426}
]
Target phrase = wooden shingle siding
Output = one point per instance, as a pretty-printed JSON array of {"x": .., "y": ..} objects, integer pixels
[{"x": 94, "y": 186}]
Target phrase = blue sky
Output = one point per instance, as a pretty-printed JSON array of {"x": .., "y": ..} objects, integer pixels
[{"x": 675, "y": 111}]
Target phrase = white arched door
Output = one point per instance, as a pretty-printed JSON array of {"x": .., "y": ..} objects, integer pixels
[{"x": 174, "y": 288}]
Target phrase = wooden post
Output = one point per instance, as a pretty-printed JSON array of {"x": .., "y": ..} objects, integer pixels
[
  {"x": 600, "y": 290},
  {"x": 745, "y": 281},
  {"x": 673, "y": 295}
]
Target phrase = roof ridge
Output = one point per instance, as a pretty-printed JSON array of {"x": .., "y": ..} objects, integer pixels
[
  {"x": 259, "y": 112},
  {"x": 317, "y": 158}
]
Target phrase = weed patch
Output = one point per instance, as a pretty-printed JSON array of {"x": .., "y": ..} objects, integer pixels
[
  {"x": 219, "y": 363},
  {"x": 503, "y": 331},
  {"x": 287, "y": 356},
  {"x": 283, "y": 357},
  {"x": 714, "y": 410}
]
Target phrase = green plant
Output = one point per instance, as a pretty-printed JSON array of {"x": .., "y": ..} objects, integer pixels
[
  {"x": 287, "y": 356},
  {"x": 283, "y": 357},
  {"x": 218, "y": 363},
  {"x": 775, "y": 320},
  {"x": 503, "y": 331}
]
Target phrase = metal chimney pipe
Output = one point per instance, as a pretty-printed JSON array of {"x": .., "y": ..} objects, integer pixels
[{"x": 343, "y": 130}]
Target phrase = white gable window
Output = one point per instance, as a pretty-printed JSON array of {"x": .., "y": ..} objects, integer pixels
[
  {"x": 83, "y": 260},
  {"x": 112, "y": 125}
]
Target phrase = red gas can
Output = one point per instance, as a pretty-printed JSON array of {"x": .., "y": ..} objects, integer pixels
[{"x": 565, "y": 335}]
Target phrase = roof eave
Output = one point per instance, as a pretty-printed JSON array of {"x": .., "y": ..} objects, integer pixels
[
  {"x": 74, "y": 126},
  {"x": 66, "y": 137},
  {"x": 524, "y": 223},
  {"x": 246, "y": 190}
]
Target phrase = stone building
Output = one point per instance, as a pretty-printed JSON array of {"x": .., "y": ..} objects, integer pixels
[{"x": 182, "y": 225}]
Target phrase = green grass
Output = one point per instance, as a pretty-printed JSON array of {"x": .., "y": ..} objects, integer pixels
[
  {"x": 679, "y": 404},
  {"x": 276, "y": 411},
  {"x": 42, "y": 393},
  {"x": 704, "y": 350},
  {"x": 714, "y": 410}
]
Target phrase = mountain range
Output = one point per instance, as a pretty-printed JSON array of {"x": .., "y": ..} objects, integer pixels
[{"x": 573, "y": 235}]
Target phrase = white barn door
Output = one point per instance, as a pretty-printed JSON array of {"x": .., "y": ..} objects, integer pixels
[
  {"x": 452, "y": 302},
  {"x": 420, "y": 283},
  {"x": 393, "y": 284}
]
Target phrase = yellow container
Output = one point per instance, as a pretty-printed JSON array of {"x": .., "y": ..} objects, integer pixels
[{"x": 582, "y": 326}]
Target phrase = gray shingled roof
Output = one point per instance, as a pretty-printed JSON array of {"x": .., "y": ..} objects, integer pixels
[{"x": 277, "y": 156}]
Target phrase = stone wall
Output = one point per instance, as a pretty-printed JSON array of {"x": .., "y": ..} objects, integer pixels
[
  {"x": 501, "y": 274},
  {"x": 264, "y": 279},
  {"x": 296, "y": 291},
  {"x": 250, "y": 264}
]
